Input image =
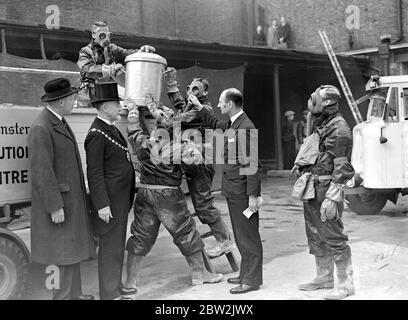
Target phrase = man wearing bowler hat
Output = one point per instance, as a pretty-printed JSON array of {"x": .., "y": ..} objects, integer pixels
[
  {"x": 60, "y": 226},
  {"x": 111, "y": 183}
]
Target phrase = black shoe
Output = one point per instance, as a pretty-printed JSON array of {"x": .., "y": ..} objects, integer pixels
[
  {"x": 128, "y": 291},
  {"x": 243, "y": 288},
  {"x": 85, "y": 297},
  {"x": 234, "y": 280}
]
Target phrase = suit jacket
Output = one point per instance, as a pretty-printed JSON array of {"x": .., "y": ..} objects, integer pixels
[
  {"x": 57, "y": 182},
  {"x": 240, "y": 178},
  {"x": 111, "y": 177}
]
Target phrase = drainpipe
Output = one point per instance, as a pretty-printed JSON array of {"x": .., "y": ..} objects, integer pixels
[
  {"x": 399, "y": 21},
  {"x": 384, "y": 52}
]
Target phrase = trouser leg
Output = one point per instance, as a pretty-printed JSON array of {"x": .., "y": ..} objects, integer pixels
[
  {"x": 248, "y": 240},
  {"x": 110, "y": 260},
  {"x": 69, "y": 282},
  {"x": 324, "y": 238},
  {"x": 199, "y": 182},
  {"x": 173, "y": 213},
  {"x": 145, "y": 225}
]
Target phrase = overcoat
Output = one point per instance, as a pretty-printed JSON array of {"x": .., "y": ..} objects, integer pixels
[
  {"x": 57, "y": 181},
  {"x": 111, "y": 176}
]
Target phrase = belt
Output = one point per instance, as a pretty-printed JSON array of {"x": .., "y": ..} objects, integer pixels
[
  {"x": 322, "y": 178},
  {"x": 157, "y": 187}
]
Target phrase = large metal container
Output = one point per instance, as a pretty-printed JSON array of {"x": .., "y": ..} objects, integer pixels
[{"x": 144, "y": 75}]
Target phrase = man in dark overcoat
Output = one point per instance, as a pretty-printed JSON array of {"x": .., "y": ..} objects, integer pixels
[
  {"x": 111, "y": 181},
  {"x": 60, "y": 227}
]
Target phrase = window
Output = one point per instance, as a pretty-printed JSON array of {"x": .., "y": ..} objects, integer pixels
[
  {"x": 377, "y": 104},
  {"x": 393, "y": 115}
]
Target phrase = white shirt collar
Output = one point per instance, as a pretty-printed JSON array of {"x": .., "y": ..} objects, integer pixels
[
  {"x": 106, "y": 121},
  {"x": 55, "y": 114},
  {"x": 236, "y": 116}
]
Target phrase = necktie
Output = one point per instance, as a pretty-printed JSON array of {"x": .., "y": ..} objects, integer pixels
[{"x": 229, "y": 124}]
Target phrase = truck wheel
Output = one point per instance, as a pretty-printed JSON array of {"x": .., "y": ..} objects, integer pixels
[
  {"x": 13, "y": 270},
  {"x": 367, "y": 204}
]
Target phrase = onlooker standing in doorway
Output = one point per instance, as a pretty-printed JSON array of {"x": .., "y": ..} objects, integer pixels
[
  {"x": 272, "y": 37},
  {"x": 283, "y": 33},
  {"x": 288, "y": 140},
  {"x": 60, "y": 227},
  {"x": 259, "y": 38},
  {"x": 301, "y": 129}
]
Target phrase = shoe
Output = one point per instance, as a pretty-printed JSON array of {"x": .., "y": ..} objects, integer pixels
[
  {"x": 86, "y": 297},
  {"x": 234, "y": 280},
  {"x": 324, "y": 278},
  {"x": 128, "y": 291},
  {"x": 220, "y": 249},
  {"x": 243, "y": 288},
  {"x": 199, "y": 274}
]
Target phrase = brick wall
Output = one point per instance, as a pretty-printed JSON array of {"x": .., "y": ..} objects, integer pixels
[
  {"x": 377, "y": 17},
  {"x": 223, "y": 21}
]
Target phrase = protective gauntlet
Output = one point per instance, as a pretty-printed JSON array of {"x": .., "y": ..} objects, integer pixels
[{"x": 332, "y": 206}]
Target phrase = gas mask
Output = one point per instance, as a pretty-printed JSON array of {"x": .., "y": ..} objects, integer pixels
[
  {"x": 101, "y": 36},
  {"x": 323, "y": 97},
  {"x": 196, "y": 88}
]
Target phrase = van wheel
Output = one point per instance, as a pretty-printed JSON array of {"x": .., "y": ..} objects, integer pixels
[
  {"x": 13, "y": 270},
  {"x": 367, "y": 203}
]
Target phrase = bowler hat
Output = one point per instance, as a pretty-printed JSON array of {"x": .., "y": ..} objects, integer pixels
[
  {"x": 57, "y": 89},
  {"x": 106, "y": 91}
]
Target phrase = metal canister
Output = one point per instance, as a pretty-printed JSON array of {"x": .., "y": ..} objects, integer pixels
[{"x": 144, "y": 75}]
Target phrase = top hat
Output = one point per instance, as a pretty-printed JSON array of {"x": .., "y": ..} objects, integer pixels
[
  {"x": 106, "y": 91},
  {"x": 57, "y": 89}
]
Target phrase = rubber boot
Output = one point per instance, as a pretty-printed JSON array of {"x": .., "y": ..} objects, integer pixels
[
  {"x": 199, "y": 274},
  {"x": 324, "y": 278},
  {"x": 133, "y": 268},
  {"x": 345, "y": 286},
  {"x": 224, "y": 244}
]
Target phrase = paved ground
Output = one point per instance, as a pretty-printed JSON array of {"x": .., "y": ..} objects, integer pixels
[{"x": 379, "y": 246}]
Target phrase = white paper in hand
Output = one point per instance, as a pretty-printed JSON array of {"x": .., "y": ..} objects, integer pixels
[{"x": 248, "y": 212}]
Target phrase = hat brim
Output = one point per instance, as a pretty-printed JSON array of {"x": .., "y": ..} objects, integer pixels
[
  {"x": 106, "y": 99},
  {"x": 46, "y": 98}
]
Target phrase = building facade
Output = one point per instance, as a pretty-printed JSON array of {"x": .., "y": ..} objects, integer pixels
[{"x": 222, "y": 21}]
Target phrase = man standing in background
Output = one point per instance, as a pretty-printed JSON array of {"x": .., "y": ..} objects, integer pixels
[
  {"x": 284, "y": 33},
  {"x": 288, "y": 140}
]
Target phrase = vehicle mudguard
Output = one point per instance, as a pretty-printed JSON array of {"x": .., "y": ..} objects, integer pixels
[{"x": 5, "y": 233}]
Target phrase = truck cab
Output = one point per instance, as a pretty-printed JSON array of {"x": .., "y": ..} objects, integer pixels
[{"x": 380, "y": 146}]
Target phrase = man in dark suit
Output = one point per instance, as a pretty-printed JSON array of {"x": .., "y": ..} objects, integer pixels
[
  {"x": 111, "y": 185},
  {"x": 241, "y": 184},
  {"x": 60, "y": 227}
]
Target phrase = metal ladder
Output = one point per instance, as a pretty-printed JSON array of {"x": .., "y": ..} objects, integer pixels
[{"x": 340, "y": 76}]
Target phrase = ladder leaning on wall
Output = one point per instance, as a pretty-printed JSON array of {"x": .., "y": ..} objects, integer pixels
[{"x": 340, "y": 76}]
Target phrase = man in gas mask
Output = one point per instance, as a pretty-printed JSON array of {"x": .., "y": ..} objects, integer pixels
[
  {"x": 199, "y": 176},
  {"x": 160, "y": 199},
  {"x": 101, "y": 61},
  {"x": 330, "y": 172}
]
